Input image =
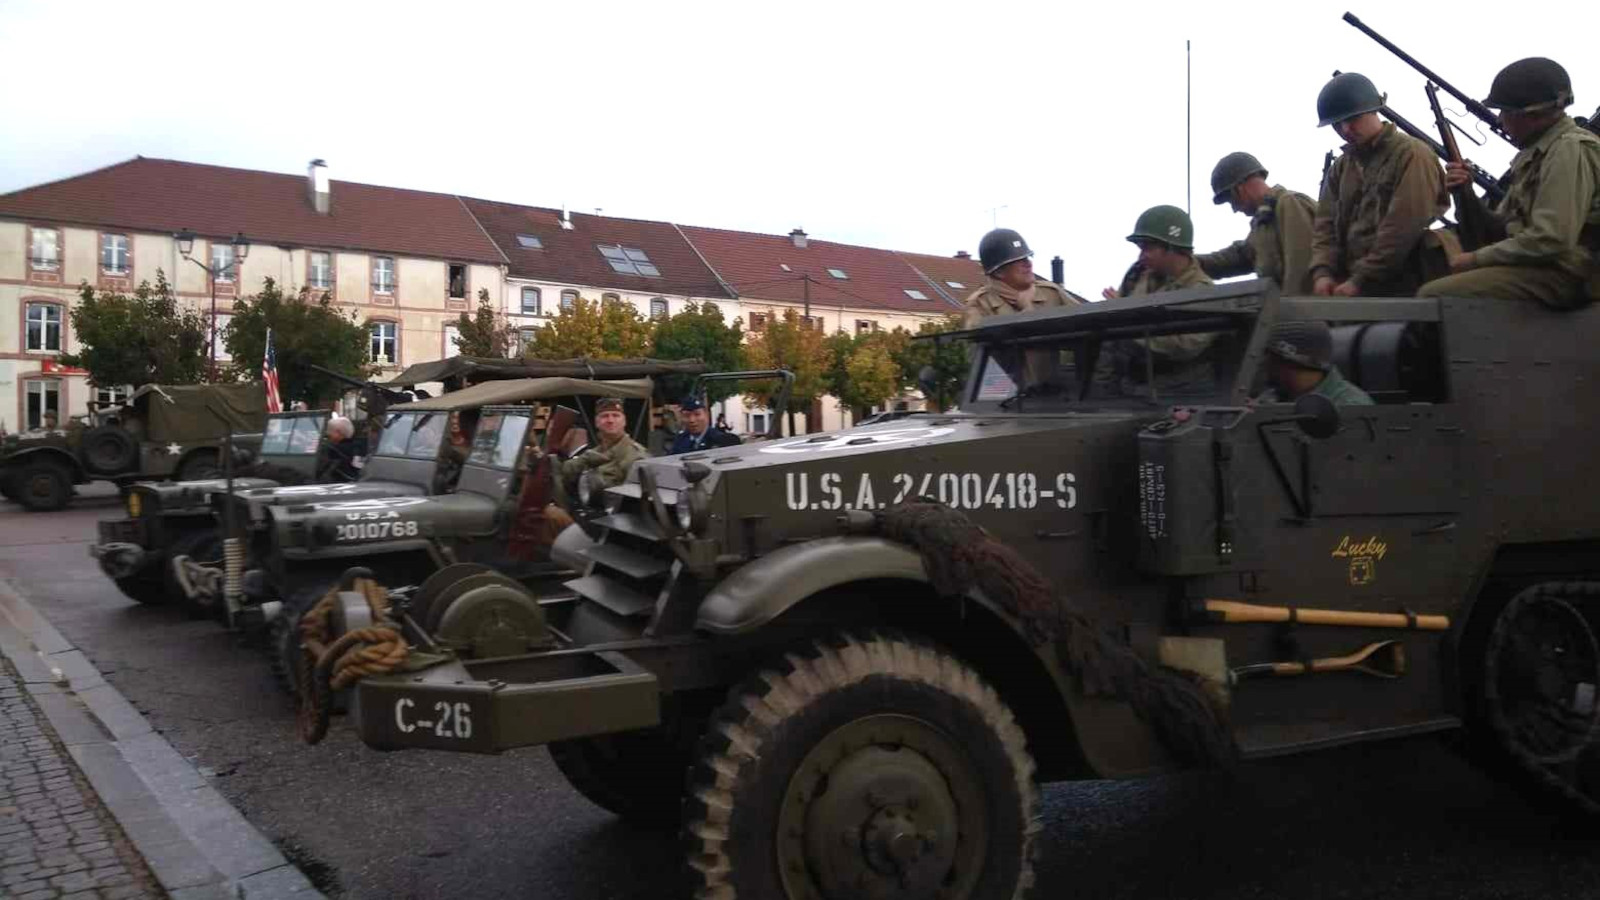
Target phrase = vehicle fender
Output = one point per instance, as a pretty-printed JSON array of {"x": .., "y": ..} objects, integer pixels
[
  {"x": 56, "y": 454},
  {"x": 763, "y": 590}
]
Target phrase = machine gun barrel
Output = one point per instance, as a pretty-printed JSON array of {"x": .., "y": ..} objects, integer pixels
[
  {"x": 1484, "y": 113},
  {"x": 358, "y": 384}
]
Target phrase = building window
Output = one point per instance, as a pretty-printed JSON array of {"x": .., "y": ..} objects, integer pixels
[
  {"x": 114, "y": 396},
  {"x": 222, "y": 263},
  {"x": 525, "y": 339},
  {"x": 114, "y": 254},
  {"x": 658, "y": 307},
  {"x": 529, "y": 242},
  {"x": 811, "y": 323},
  {"x": 757, "y": 422},
  {"x": 385, "y": 343},
  {"x": 321, "y": 270},
  {"x": 219, "y": 346},
  {"x": 865, "y": 325},
  {"x": 957, "y": 285},
  {"x": 458, "y": 281},
  {"x": 758, "y": 321},
  {"x": 785, "y": 267},
  {"x": 452, "y": 341},
  {"x": 43, "y": 327},
  {"x": 610, "y": 298},
  {"x": 915, "y": 295},
  {"x": 569, "y": 299},
  {"x": 628, "y": 260},
  {"x": 382, "y": 275},
  {"x": 45, "y": 254},
  {"x": 839, "y": 273},
  {"x": 41, "y": 396},
  {"x": 708, "y": 307},
  {"x": 530, "y": 301}
]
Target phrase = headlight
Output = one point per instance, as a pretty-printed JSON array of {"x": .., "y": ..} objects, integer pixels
[{"x": 684, "y": 513}]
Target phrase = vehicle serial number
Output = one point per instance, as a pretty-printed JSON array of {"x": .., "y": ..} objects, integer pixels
[
  {"x": 961, "y": 490},
  {"x": 367, "y": 531},
  {"x": 450, "y": 720}
]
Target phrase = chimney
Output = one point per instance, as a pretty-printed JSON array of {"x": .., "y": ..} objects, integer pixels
[
  {"x": 317, "y": 186},
  {"x": 962, "y": 254},
  {"x": 799, "y": 238},
  {"x": 1058, "y": 269},
  {"x": 566, "y": 220}
]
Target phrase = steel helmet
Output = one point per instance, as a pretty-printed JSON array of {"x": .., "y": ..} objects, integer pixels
[
  {"x": 1348, "y": 95},
  {"x": 1001, "y": 246},
  {"x": 1166, "y": 224},
  {"x": 1306, "y": 344},
  {"x": 1530, "y": 85},
  {"x": 1230, "y": 172}
]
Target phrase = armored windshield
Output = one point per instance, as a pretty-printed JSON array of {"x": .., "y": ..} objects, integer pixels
[
  {"x": 1088, "y": 368},
  {"x": 498, "y": 440},
  {"x": 413, "y": 435}
]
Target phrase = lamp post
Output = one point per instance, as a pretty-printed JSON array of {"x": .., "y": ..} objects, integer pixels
[{"x": 241, "y": 250}]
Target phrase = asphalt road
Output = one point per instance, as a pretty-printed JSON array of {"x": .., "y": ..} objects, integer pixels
[{"x": 1403, "y": 819}]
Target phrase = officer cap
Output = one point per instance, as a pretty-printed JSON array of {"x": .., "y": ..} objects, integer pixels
[
  {"x": 1001, "y": 246},
  {"x": 1305, "y": 344},
  {"x": 605, "y": 403},
  {"x": 1531, "y": 85},
  {"x": 1230, "y": 172},
  {"x": 690, "y": 403},
  {"x": 1348, "y": 95},
  {"x": 1166, "y": 224}
]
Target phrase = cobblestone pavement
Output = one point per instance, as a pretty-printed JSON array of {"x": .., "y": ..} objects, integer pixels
[{"x": 56, "y": 840}]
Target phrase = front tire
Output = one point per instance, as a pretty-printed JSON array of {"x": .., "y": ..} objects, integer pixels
[
  {"x": 203, "y": 545},
  {"x": 144, "y": 588},
  {"x": 868, "y": 766},
  {"x": 42, "y": 486}
]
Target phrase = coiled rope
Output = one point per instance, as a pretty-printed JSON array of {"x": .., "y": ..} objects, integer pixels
[{"x": 324, "y": 667}]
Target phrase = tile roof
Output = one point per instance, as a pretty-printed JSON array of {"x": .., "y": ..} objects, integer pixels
[
  {"x": 164, "y": 196},
  {"x": 942, "y": 270},
  {"x": 572, "y": 256},
  {"x": 752, "y": 264}
]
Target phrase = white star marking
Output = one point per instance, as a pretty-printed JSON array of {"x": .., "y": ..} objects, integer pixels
[{"x": 174, "y": 449}]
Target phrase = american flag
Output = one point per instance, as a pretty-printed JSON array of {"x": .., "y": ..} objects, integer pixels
[{"x": 269, "y": 375}]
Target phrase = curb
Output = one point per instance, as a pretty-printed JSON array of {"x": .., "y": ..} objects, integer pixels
[{"x": 198, "y": 846}]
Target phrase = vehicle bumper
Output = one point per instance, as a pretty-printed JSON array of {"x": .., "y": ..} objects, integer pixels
[
  {"x": 121, "y": 550},
  {"x": 501, "y": 704}
]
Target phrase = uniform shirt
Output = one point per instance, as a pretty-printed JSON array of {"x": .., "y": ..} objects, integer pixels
[
  {"x": 996, "y": 298},
  {"x": 1551, "y": 211},
  {"x": 1278, "y": 246},
  {"x": 1342, "y": 391},
  {"x": 1141, "y": 281},
  {"x": 1377, "y": 202},
  {"x": 612, "y": 462},
  {"x": 711, "y": 437}
]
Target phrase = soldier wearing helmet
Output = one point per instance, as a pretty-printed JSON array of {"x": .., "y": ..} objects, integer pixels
[
  {"x": 1011, "y": 286},
  {"x": 1165, "y": 238},
  {"x": 1549, "y": 221},
  {"x": 1377, "y": 201},
  {"x": 1300, "y": 361},
  {"x": 1279, "y": 243}
]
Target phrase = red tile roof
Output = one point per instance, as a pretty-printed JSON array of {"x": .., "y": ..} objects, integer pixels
[
  {"x": 572, "y": 256},
  {"x": 943, "y": 270},
  {"x": 164, "y": 196},
  {"x": 752, "y": 264}
]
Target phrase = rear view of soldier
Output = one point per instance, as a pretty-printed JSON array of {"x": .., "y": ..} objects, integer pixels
[
  {"x": 1547, "y": 230},
  {"x": 1279, "y": 244}
]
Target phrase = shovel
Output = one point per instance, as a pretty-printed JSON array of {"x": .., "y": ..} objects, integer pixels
[{"x": 1385, "y": 659}]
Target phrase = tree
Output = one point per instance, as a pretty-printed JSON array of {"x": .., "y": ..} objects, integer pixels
[
  {"x": 143, "y": 339},
  {"x": 788, "y": 343},
  {"x": 699, "y": 332},
  {"x": 484, "y": 334},
  {"x": 610, "y": 329},
  {"x": 873, "y": 376},
  {"x": 304, "y": 331},
  {"x": 949, "y": 359}
]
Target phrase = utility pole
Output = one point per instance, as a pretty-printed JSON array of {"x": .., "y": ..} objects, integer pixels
[
  {"x": 806, "y": 281},
  {"x": 1188, "y": 131}
]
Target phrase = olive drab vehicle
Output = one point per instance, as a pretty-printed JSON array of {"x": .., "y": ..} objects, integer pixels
[
  {"x": 161, "y": 431},
  {"x": 867, "y": 648}
]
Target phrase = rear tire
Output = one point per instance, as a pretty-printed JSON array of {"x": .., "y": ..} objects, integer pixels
[
  {"x": 145, "y": 588},
  {"x": 42, "y": 486},
  {"x": 639, "y": 775},
  {"x": 109, "y": 450},
  {"x": 200, "y": 466}
]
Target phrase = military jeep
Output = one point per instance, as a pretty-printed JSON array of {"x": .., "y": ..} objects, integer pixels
[
  {"x": 162, "y": 431},
  {"x": 868, "y": 648}
]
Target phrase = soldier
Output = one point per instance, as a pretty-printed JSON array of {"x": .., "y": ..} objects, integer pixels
[
  {"x": 1011, "y": 286},
  {"x": 1299, "y": 362},
  {"x": 1549, "y": 222},
  {"x": 1165, "y": 238},
  {"x": 1377, "y": 200},
  {"x": 1279, "y": 243},
  {"x": 697, "y": 433},
  {"x": 614, "y": 454}
]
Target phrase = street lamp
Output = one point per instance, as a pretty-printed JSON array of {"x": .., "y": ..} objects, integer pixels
[{"x": 241, "y": 250}]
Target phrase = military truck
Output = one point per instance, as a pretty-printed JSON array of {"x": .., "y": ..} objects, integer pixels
[
  {"x": 1123, "y": 570},
  {"x": 162, "y": 431}
]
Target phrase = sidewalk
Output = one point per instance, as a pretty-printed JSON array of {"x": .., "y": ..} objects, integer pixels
[{"x": 95, "y": 804}]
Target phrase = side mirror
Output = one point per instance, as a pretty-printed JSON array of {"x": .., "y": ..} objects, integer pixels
[
  {"x": 1317, "y": 416},
  {"x": 928, "y": 381}
]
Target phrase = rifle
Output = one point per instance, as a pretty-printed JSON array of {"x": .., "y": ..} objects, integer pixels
[
  {"x": 375, "y": 399},
  {"x": 1327, "y": 166},
  {"x": 1484, "y": 113},
  {"x": 1592, "y": 123},
  {"x": 1491, "y": 186},
  {"x": 1473, "y": 224},
  {"x": 529, "y": 529}
]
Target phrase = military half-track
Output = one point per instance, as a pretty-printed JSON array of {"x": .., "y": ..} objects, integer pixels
[{"x": 868, "y": 648}]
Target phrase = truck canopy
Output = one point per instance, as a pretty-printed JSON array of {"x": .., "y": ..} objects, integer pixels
[
  {"x": 522, "y": 390},
  {"x": 478, "y": 369},
  {"x": 194, "y": 410}
]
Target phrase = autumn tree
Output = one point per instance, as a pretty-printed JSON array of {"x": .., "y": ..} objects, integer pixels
[
  {"x": 700, "y": 332},
  {"x": 610, "y": 329},
  {"x": 305, "y": 330},
  {"x": 486, "y": 333},
  {"x": 949, "y": 360},
  {"x": 140, "y": 339},
  {"x": 788, "y": 343}
]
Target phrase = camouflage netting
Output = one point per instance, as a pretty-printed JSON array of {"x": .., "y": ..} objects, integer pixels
[{"x": 961, "y": 557}]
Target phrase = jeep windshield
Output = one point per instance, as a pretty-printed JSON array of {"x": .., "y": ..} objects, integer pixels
[
  {"x": 298, "y": 436},
  {"x": 498, "y": 439},
  {"x": 412, "y": 435}
]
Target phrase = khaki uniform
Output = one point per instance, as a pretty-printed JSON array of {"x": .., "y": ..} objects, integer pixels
[
  {"x": 1278, "y": 246},
  {"x": 1175, "y": 347},
  {"x": 1334, "y": 386},
  {"x": 1551, "y": 218},
  {"x": 996, "y": 298},
  {"x": 1372, "y": 219},
  {"x": 613, "y": 462}
]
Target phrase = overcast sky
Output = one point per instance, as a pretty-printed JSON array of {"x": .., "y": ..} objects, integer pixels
[{"x": 900, "y": 125}]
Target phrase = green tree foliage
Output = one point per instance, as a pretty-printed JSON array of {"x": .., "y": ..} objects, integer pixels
[
  {"x": 485, "y": 333},
  {"x": 699, "y": 332},
  {"x": 611, "y": 329},
  {"x": 950, "y": 361},
  {"x": 863, "y": 370},
  {"x": 140, "y": 339},
  {"x": 304, "y": 331},
  {"x": 786, "y": 343}
]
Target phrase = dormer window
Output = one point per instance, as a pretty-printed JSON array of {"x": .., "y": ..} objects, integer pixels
[
  {"x": 628, "y": 260},
  {"x": 529, "y": 242},
  {"x": 839, "y": 274}
]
